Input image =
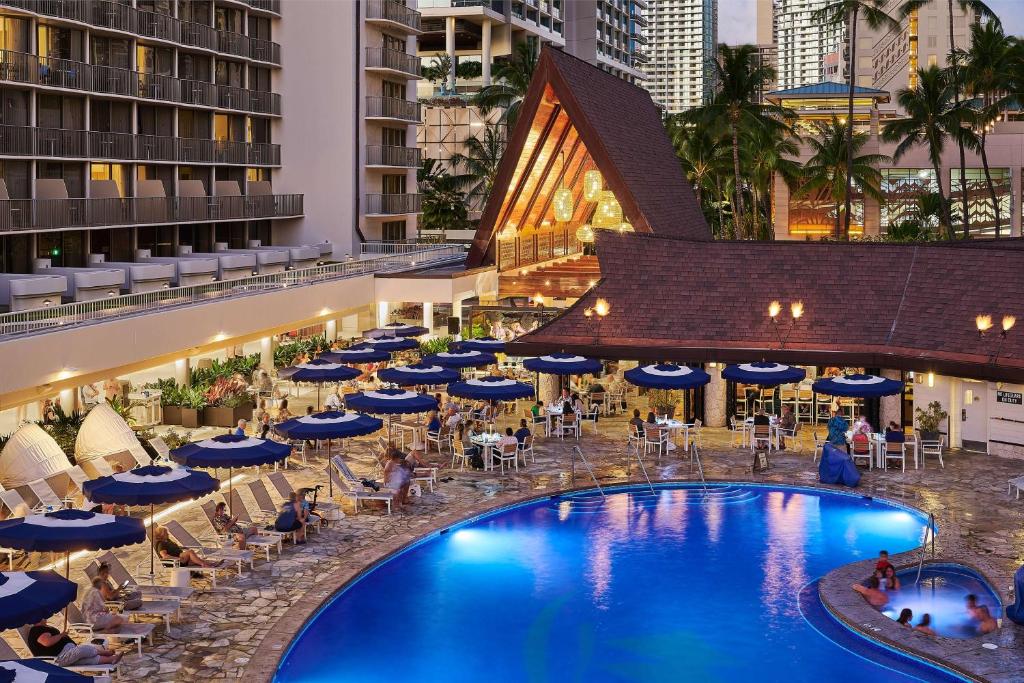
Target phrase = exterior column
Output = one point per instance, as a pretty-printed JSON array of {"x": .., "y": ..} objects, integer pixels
[
  {"x": 889, "y": 409},
  {"x": 449, "y": 47},
  {"x": 182, "y": 371},
  {"x": 331, "y": 330},
  {"x": 383, "y": 307},
  {"x": 714, "y": 399},
  {"x": 267, "y": 353},
  {"x": 547, "y": 389},
  {"x": 485, "y": 55},
  {"x": 457, "y": 313},
  {"x": 350, "y": 325},
  {"x": 428, "y": 316}
]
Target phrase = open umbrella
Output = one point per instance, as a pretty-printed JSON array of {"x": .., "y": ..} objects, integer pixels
[
  {"x": 391, "y": 402},
  {"x": 391, "y": 344},
  {"x": 320, "y": 371},
  {"x": 358, "y": 353},
  {"x": 27, "y": 597},
  {"x": 329, "y": 425},
  {"x": 487, "y": 344},
  {"x": 667, "y": 376},
  {"x": 37, "y": 671},
  {"x": 151, "y": 485},
  {"x": 231, "y": 451},
  {"x": 398, "y": 330},
  {"x": 417, "y": 374},
  {"x": 763, "y": 374},
  {"x": 490, "y": 389},
  {"x": 563, "y": 364},
  {"x": 463, "y": 358},
  {"x": 858, "y": 386}
]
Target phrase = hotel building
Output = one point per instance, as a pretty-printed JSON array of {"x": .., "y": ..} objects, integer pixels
[{"x": 683, "y": 37}]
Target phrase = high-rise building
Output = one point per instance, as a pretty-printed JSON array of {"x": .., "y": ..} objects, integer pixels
[
  {"x": 683, "y": 36},
  {"x": 609, "y": 34},
  {"x": 807, "y": 51}
]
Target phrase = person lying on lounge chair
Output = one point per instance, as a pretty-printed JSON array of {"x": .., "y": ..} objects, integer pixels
[{"x": 186, "y": 557}]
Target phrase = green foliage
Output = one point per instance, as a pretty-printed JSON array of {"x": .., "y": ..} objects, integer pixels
[
  {"x": 175, "y": 439},
  {"x": 123, "y": 408},
  {"x": 193, "y": 398},
  {"x": 228, "y": 392},
  {"x": 435, "y": 345},
  {"x": 511, "y": 81},
  {"x": 662, "y": 399},
  {"x": 243, "y": 365},
  {"x": 928, "y": 420},
  {"x": 64, "y": 428},
  {"x": 444, "y": 203},
  {"x": 285, "y": 353}
]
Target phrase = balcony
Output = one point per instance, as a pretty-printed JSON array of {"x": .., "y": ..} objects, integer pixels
[
  {"x": 392, "y": 61},
  {"x": 393, "y": 14},
  {"x": 50, "y": 72},
  {"x": 265, "y": 5},
  {"x": 392, "y": 109},
  {"x": 44, "y": 214},
  {"x": 392, "y": 156},
  {"x": 390, "y": 204}
]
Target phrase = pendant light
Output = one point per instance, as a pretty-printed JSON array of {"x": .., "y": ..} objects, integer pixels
[
  {"x": 608, "y": 213},
  {"x": 562, "y": 202},
  {"x": 593, "y": 183}
]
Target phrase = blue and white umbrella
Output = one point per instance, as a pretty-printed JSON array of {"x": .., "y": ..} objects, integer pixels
[
  {"x": 320, "y": 371},
  {"x": 37, "y": 671},
  {"x": 417, "y": 374},
  {"x": 231, "y": 451},
  {"x": 763, "y": 374},
  {"x": 490, "y": 389},
  {"x": 667, "y": 376},
  {"x": 398, "y": 330},
  {"x": 27, "y": 597},
  {"x": 329, "y": 425},
  {"x": 66, "y": 531},
  {"x": 391, "y": 344},
  {"x": 463, "y": 358},
  {"x": 563, "y": 364},
  {"x": 151, "y": 485},
  {"x": 487, "y": 344},
  {"x": 358, "y": 353},
  {"x": 391, "y": 402},
  {"x": 858, "y": 386}
]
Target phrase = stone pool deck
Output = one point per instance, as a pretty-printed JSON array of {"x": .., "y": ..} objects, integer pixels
[{"x": 242, "y": 629}]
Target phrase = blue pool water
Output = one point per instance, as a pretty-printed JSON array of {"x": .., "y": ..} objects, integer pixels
[
  {"x": 941, "y": 594},
  {"x": 670, "y": 586}
]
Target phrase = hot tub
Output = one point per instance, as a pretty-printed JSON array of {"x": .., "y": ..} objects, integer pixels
[{"x": 941, "y": 593}]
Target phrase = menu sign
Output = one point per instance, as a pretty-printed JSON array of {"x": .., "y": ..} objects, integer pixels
[
  {"x": 506, "y": 254},
  {"x": 527, "y": 250},
  {"x": 1011, "y": 397}
]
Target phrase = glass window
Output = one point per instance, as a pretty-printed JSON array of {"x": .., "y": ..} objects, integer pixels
[
  {"x": 14, "y": 33},
  {"x": 392, "y": 231},
  {"x": 116, "y": 172},
  {"x": 909, "y": 195},
  {"x": 981, "y": 211}
]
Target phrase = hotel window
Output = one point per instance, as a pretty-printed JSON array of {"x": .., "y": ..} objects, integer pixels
[
  {"x": 228, "y": 127},
  {"x": 907, "y": 194},
  {"x": 254, "y": 175},
  {"x": 110, "y": 116},
  {"x": 225, "y": 19},
  {"x": 73, "y": 175},
  {"x": 116, "y": 172},
  {"x": 14, "y": 107},
  {"x": 162, "y": 172},
  {"x": 933, "y": 60},
  {"x": 980, "y": 210},
  {"x": 194, "y": 11},
  {"x": 154, "y": 120},
  {"x": 193, "y": 67},
  {"x": 392, "y": 89},
  {"x": 154, "y": 60},
  {"x": 393, "y": 184},
  {"x": 193, "y": 124},
  {"x": 14, "y": 34},
  {"x": 228, "y": 73},
  {"x": 393, "y": 43},
  {"x": 59, "y": 43},
  {"x": 259, "y": 79},
  {"x": 111, "y": 52},
  {"x": 392, "y": 231},
  {"x": 394, "y": 137},
  {"x": 64, "y": 249}
]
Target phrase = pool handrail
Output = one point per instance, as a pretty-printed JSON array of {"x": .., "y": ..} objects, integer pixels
[
  {"x": 695, "y": 455},
  {"x": 572, "y": 469},
  {"x": 929, "y": 536}
]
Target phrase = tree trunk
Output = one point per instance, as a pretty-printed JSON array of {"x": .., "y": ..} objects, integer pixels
[
  {"x": 943, "y": 205},
  {"x": 849, "y": 125},
  {"x": 954, "y": 63},
  {"x": 837, "y": 225},
  {"x": 988, "y": 180},
  {"x": 721, "y": 212},
  {"x": 737, "y": 210}
]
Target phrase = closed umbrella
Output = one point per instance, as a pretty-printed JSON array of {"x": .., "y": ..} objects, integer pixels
[
  {"x": 151, "y": 485},
  {"x": 417, "y": 374},
  {"x": 38, "y": 671},
  {"x": 358, "y": 353},
  {"x": 320, "y": 371},
  {"x": 858, "y": 386},
  {"x": 329, "y": 425},
  {"x": 462, "y": 358},
  {"x": 488, "y": 344},
  {"x": 490, "y": 389},
  {"x": 667, "y": 376},
  {"x": 27, "y": 597},
  {"x": 231, "y": 451}
]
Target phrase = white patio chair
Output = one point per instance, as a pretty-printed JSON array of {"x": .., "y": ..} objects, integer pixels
[
  {"x": 45, "y": 494},
  {"x": 150, "y": 591},
  {"x": 100, "y": 672},
  {"x": 526, "y": 449},
  {"x": 352, "y": 487},
  {"x": 932, "y": 448},
  {"x": 863, "y": 451},
  {"x": 131, "y": 632},
  {"x": 569, "y": 423},
  {"x": 507, "y": 453},
  {"x": 185, "y": 539},
  {"x": 896, "y": 450},
  {"x": 590, "y": 417},
  {"x": 1017, "y": 483},
  {"x": 655, "y": 439},
  {"x": 819, "y": 445}
]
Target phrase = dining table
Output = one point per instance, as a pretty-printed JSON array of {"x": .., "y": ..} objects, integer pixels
[
  {"x": 674, "y": 426},
  {"x": 487, "y": 441}
]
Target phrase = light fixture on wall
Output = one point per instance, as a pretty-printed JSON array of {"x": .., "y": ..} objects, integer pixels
[
  {"x": 608, "y": 213},
  {"x": 931, "y": 379},
  {"x": 593, "y": 183},
  {"x": 562, "y": 203}
]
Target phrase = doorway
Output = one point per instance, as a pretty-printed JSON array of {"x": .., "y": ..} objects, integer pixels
[{"x": 974, "y": 416}]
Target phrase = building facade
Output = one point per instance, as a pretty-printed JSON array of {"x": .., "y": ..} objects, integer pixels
[
  {"x": 683, "y": 44},
  {"x": 807, "y": 51}
]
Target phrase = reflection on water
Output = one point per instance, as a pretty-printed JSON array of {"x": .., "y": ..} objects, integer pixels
[{"x": 784, "y": 559}]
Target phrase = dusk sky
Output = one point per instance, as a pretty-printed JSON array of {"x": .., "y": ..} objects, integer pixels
[{"x": 736, "y": 19}]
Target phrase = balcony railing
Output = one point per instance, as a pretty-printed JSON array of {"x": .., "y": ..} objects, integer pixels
[
  {"x": 392, "y": 204},
  {"x": 391, "y": 155},
  {"x": 56, "y": 142},
  {"x": 382, "y": 247},
  {"x": 265, "y": 5},
  {"x": 395, "y": 60},
  {"x": 394, "y": 11},
  {"x": 43, "y": 214},
  {"x": 122, "y": 17},
  {"x": 63, "y": 73},
  {"x": 65, "y": 316},
  {"x": 392, "y": 108}
]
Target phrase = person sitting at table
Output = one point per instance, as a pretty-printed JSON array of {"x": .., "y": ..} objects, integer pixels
[
  {"x": 577, "y": 405},
  {"x": 333, "y": 401},
  {"x": 537, "y": 407},
  {"x": 433, "y": 422},
  {"x": 522, "y": 432},
  {"x": 637, "y": 422},
  {"x": 861, "y": 425},
  {"x": 761, "y": 418},
  {"x": 893, "y": 434},
  {"x": 652, "y": 419},
  {"x": 567, "y": 405},
  {"x": 787, "y": 423},
  {"x": 508, "y": 440},
  {"x": 453, "y": 419},
  {"x": 861, "y": 443},
  {"x": 837, "y": 430}
]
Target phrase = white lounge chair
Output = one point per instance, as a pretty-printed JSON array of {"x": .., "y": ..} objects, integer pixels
[
  {"x": 100, "y": 672},
  {"x": 284, "y": 489},
  {"x": 175, "y": 563},
  {"x": 163, "y": 451},
  {"x": 150, "y": 591},
  {"x": 264, "y": 541},
  {"x": 353, "y": 488},
  {"x": 130, "y": 632},
  {"x": 45, "y": 494},
  {"x": 100, "y": 466},
  {"x": 13, "y": 501},
  {"x": 163, "y": 609},
  {"x": 185, "y": 538}
]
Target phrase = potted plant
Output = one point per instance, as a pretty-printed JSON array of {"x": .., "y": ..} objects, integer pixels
[
  {"x": 662, "y": 402},
  {"x": 928, "y": 420},
  {"x": 193, "y": 402},
  {"x": 170, "y": 403},
  {"x": 227, "y": 401}
]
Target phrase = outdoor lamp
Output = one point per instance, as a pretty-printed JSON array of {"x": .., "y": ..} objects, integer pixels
[
  {"x": 588, "y": 312},
  {"x": 1008, "y": 322},
  {"x": 983, "y": 323},
  {"x": 797, "y": 309},
  {"x": 608, "y": 213},
  {"x": 538, "y": 299},
  {"x": 773, "y": 309},
  {"x": 602, "y": 307},
  {"x": 562, "y": 202},
  {"x": 593, "y": 183}
]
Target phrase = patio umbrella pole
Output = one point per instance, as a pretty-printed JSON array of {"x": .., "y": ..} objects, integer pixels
[
  {"x": 67, "y": 575},
  {"x": 152, "y": 544},
  {"x": 330, "y": 479}
]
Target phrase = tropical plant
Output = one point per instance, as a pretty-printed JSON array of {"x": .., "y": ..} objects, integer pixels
[
  {"x": 480, "y": 161},
  {"x": 241, "y": 365},
  {"x": 438, "y": 69},
  {"x": 767, "y": 153},
  {"x": 64, "y": 427},
  {"x": 929, "y": 419},
  {"x": 193, "y": 398},
  {"x": 512, "y": 80},
  {"x": 443, "y": 203},
  {"x": 931, "y": 117},
  {"x": 228, "y": 392},
  {"x": 286, "y": 352},
  {"x": 435, "y": 345},
  {"x": 826, "y": 172},
  {"x": 4, "y": 438},
  {"x": 123, "y": 407},
  {"x": 661, "y": 400},
  {"x": 841, "y": 13},
  {"x": 469, "y": 69},
  {"x": 175, "y": 439},
  {"x": 703, "y": 151}
]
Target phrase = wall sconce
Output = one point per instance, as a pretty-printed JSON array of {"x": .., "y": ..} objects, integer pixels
[
  {"x": 796, "y": 310},
  {"x": 983, "y": 322},
  {"x": 931, "y": 379},
  {"x": 602, "y": 307}
]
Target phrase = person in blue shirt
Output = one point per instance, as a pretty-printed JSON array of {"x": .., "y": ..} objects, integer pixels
[
  {"x": 434, "y": 424},
  {"x": 837, "y": 427},
  {"x": 522, "y": 432},
  {"x": 240, "y": 429},
  {"x": 893, "y": 434}
]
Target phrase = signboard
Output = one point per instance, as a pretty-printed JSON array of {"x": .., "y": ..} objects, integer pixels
[
  {"x": 544, "y": 246},
  {"x": 527, "y": 250},
  {"x": 506, "y": 254},
  {"x": 1011, "y": 397}
]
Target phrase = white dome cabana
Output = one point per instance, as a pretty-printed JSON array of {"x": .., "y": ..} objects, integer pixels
[
  {"x": 31, "y": 454},
  {"x": 105, "y": 433}
]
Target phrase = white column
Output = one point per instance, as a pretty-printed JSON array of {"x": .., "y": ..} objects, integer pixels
[
  {"x": 457, "y": 313},
  {"x": 715, "y": 398},
  {"x": 449, "y": 47},
  {"x": 67, "y": 398},
  {"x": 182, "y": 371},
  {"x": 889, "y": 406},
  {"x": 485, "y": 56},
  {"x": 331, "y": 330},
  {"x": 350, "y": 325},
  {"x": 383, "y": 307},
  {"x": 267, "y": 353},
  {"x": 428, "y": 316}
]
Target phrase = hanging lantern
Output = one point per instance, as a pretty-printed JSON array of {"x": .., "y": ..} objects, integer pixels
[
  {"x": 562, "y": 205},
  {"x": 626, "y": 226},
  {"x": 593, "y": 183},
  {"x": 585, "y": 233},
  {"x": 608, "y": 213}
]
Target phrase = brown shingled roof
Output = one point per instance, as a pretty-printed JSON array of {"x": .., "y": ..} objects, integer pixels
[
  {"x": 623, "y": 132},
  {"x": 908, "y": 307}
]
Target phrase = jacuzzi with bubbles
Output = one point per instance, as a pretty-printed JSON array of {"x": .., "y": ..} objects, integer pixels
[{"x": 942, "y": 593}]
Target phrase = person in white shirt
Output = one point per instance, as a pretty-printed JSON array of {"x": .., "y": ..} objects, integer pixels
[
  {"x": 508, "y": 440},
  {"x": 453, "y": 419},
  {"x": 333, "y": 401}
]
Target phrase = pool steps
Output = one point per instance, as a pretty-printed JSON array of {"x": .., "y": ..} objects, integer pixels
[{"x": 594, "y": 503}]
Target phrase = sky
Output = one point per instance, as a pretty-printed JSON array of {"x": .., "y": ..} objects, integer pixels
[{"x": 736, "y": 19}]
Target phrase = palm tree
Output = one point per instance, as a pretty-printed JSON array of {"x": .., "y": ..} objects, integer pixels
[
  {"x": 739, "y": 78},
  {"x": 480, "y": 160},
  {"x": 512, "y": 79},
  {"x": 828, "y": 171},
  {"x": 444, "y": 204},
  {"x": 438, "y": 69},
  {"x": 846, "y": 12},
  {"x": 931, "y": 117},
  {"x": 768, "y": 153},
  {"x": 701, "y": 151},
  {"x": 986, "y": 71}
]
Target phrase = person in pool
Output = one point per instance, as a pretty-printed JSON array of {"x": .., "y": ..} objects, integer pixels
[
  {"x": 971, "y": 605},
  {"x": 883, "y": 560},
  {"x": 872, "y": 594},
  {"x": 905, "y": 617},
  {"x": 892, "y": 582},
  {"x": 986, "y": 623},
  {"x": 925, "y": 625}
]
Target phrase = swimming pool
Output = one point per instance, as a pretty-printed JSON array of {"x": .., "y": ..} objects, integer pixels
[
  {"x": 941, "y": 594},
  {"x": 640, "y": 586}
]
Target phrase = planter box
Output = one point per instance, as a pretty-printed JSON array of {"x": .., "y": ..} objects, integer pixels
[
  {"x": 226, "y": 417},
  {"x": 189, "y": 418},
  {"x": 172, "y": 415}
]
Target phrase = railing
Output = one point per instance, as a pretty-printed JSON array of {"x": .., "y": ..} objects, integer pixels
[
  {"x": 392, "y": 155},
  {"x": 576, "y": 451},
  {"x": 66, "y": 315},
  {"x": 695, "y": 456},
  {"x": 403, "y": 247},
  {"x": 392, "y": 204},
  {"x": 391, "y": 10},
  {"x": 265, "y": 5},
  {"x": 42, "y": 214},
  {"x": 21, "y": 67},
  {"x": 392, "y": 108},
  {"x": 929, "y": 536},
  {"x": 232, "y": 43},
  {"x": 396, "y": 60}
]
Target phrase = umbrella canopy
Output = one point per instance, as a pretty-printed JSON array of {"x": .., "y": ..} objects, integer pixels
[
  {"x": 391, "y": 402},
  {"x": 491, "y": 389},
  {"x": 228, "y": 450},
  {"x": 858, "y": 386},
  {"x": 401, "y": 330},
  {"x": 320, "y": 370},
  {"x": 488, "y": 344},
  {"x": 563, "y": 364},
  {"x": 37, "y": 671},
  {"x": 391, "y": 344},
  {"x": 329, "y": 425},
  {"x": 27, "y": 597},
  {"x": 151, "y": 485},
  {"x": 463, "y": 358},
  {"x": 419, "y": 373},
  {"x": 359, "y": 353},
  {"x": 763, "y": 374},
  {"x": 66, "y": 531},
  {"x": 667, "y": 376}
]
